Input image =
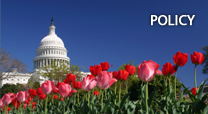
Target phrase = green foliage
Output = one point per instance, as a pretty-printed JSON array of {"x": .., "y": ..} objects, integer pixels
[
  {"x": 205, "y": 63},
  {"x": 12, "y": 88},
  {"x": 36, "y": 85},
  {"x": 58, "y": 72}
]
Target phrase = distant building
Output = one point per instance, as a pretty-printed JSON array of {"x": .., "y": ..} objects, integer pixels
[{"x": 51, "y": 49}]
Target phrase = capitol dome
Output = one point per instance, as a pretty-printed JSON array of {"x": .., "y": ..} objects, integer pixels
[{"x": 51, "y": 49}]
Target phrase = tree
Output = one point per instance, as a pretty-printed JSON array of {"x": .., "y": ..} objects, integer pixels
[
  {"x": 12, "y": 88},
  {"x": 205, "y": 63},
  {"x": 8, "y": 64},
  {"x": 58, "y": 72}
]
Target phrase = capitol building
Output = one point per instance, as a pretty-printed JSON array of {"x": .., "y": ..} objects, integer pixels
[{"x": 51, "y": 50}]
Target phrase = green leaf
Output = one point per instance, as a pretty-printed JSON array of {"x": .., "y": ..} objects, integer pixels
[
  {"x": 179, "y": 101},
  {"x": 205, "y": 97},
  {"x": 205, "y": 111},
  {"x": 190, "y": 94},
  {"x": 123, "y": 100},
  {"x": 151, "y": 97},
  {"x": 200, "y": 91},
  {"x": 159, "y": 112}
]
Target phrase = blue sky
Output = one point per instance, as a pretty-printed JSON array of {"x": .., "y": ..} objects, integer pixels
[{"x": 116, "y": 31}]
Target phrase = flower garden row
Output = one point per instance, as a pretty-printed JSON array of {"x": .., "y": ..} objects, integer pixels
[{"x": 61, "y": 97}]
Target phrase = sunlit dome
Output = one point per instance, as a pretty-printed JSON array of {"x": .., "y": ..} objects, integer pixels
[
  {"x": 51, "y": 49},
  {"x": 52, "y": 39}
]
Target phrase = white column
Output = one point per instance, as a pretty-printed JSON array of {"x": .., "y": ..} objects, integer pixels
[
  {"x": 46, "y": 62},
  {"x": 40, "y": 63}
]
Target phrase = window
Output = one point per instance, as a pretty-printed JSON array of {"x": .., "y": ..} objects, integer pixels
[
  {"x": 17, "y": 79},
  {"x": 23, "y": 79}
]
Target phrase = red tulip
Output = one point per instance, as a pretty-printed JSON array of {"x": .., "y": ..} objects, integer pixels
[
  {"x": 158, "y": 72},
  {"x": 88, "y": 83},
  {"x": 27, "y": 102},
  {"x": 77, "y": 85},
  {"x": 16, "y": 103},
  {"x": 47, "y": 87},
  {"x": 55, "y": 97},
  {"x": 91, "y": 76},
  {"x": 105, "y": 80},
  {"x": 42, "y": 96},
  {"x": 96, "y": 93},
  {"x": 193, "y": 90},
  {"x": 8, "y": 98},
  {"x": 105, "y": 66},
  {"x": 22, "y": 96},
  {"x": 197, "y": 58},
  {"x": 25, "y": 106},
  {"x": 39, "y": 91},
  {"x": 122, "y": 75},
  {"x": 180, "y": 59},
  {"x": 71, "y": 77},
  {"x": 95, "y": 70},
  {"x": 115, "y": 74},
  {"x": 130, "y": 69},
  {"x": 32, "y": 92},
  {"x": 1, "y": 104},
  {"x": 55, "y": 90},
  {"x": 67, "y": 81},
  {"x": 168, "y": 69},
  {"x": 147, "y": 70},
  {"x": 65, "y": 90},
  {"x": 61, "y": 99}
]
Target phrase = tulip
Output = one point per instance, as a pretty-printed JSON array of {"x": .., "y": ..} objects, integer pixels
[
  {"x": 55, "y": 97},
  {"x": 77, "y": 85},
  {"x": 32, "y": 92},
  {"x": 65, "y": 90},
  {"x": 193, "y": 90},
  {"x": 61, "y": 99},
  {"x": 180, "y": 59},
  {"x": 105, "y": 80},
  {"x": 168, "y": 69},
  {"x": 115, "y": 74},
  {"x": 105, "y": 66},
  {"x": 147, "y": 70},
  {"x": 1, "y": 104},
  {"x": 122, "y": 75},
  {"x": 71, "y": 77},
  {"x": 95, "y": 70},
  {"x": 25, "y": 106},
  {"x": 16, "y": 103},
  {"x": 130, "y": 69},
  {"x": 197, "y": 58},
  {"x": 91, "y": 76},
  {"x": 42, "y": 96},
  {"x": 88, "y": 83},
  {"x": 96, "y": 93},
  {"x": 47, "y": 87},
  {"x": 158, "y": 72},
  {"x": 55, "y": 90},
  {"x": 39, "y": 91},
  {"x": 22, "y": 96},
  {"x": 8, "y": 98}
]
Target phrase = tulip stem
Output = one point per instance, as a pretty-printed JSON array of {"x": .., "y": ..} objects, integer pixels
[
  {"x": 46, "y": 104},
  {"x": 88, "y": 98},
  {"x": 169, "y": 83},
  {"x": 127, "y": 90},
  {"x": 102, "y": 101},
  {"x": 74, "y": 98},
  {"x": 64, "y": 106},
  {"x": 147, "y": 98},
  {"x": 195, "y": 79},
  {"x": 115, "y": 93},
  {"x": 78, "y": 97},
  {"x": 175, "y": 84},
  {"x": 120, "y": 93}
]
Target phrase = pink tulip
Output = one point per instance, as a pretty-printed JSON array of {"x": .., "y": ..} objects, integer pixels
[
  {"x": 65, "y": 90},
  {"x": 1, "y": 104},
  {"x": 105, "y": 80},
  {"x": 158, "y": 72},
  {"x": 22, "y": 96},
  {"x": 47, "y": 87},
  {"x": 147, "y": 70},
  {"x": 7, "y": 98},
  {"x": 88, "y": 83}
]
